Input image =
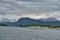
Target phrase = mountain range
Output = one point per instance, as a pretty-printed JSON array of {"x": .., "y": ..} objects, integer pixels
[{"x": 29, "y": 21}]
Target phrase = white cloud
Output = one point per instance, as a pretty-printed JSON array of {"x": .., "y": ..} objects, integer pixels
[{"x": 15, "y": 9}]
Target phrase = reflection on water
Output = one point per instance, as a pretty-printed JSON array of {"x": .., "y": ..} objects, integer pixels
[{"x": 17, "y": 33}]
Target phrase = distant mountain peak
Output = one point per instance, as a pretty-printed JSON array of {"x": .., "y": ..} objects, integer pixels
[
  {"x": 25, "y": 18},
  {"x": 49, "y": 19}
]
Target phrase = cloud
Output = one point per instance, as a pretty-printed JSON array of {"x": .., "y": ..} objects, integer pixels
[{"x": 29, "y": 8}]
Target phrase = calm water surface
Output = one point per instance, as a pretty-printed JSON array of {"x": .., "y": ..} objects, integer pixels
[{"x": 18, "y": 33}]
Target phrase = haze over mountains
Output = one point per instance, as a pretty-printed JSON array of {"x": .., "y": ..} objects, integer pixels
[{"x": 41, "y": 19}]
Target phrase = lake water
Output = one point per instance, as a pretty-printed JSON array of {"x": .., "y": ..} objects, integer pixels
[{"x": 18, "y": 33}]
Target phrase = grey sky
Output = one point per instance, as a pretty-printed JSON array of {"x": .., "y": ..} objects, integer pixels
[{"x": 15, "y": 9}]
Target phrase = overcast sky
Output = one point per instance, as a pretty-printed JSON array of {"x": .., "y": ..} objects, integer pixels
[{"x": 15, "y": 9}]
